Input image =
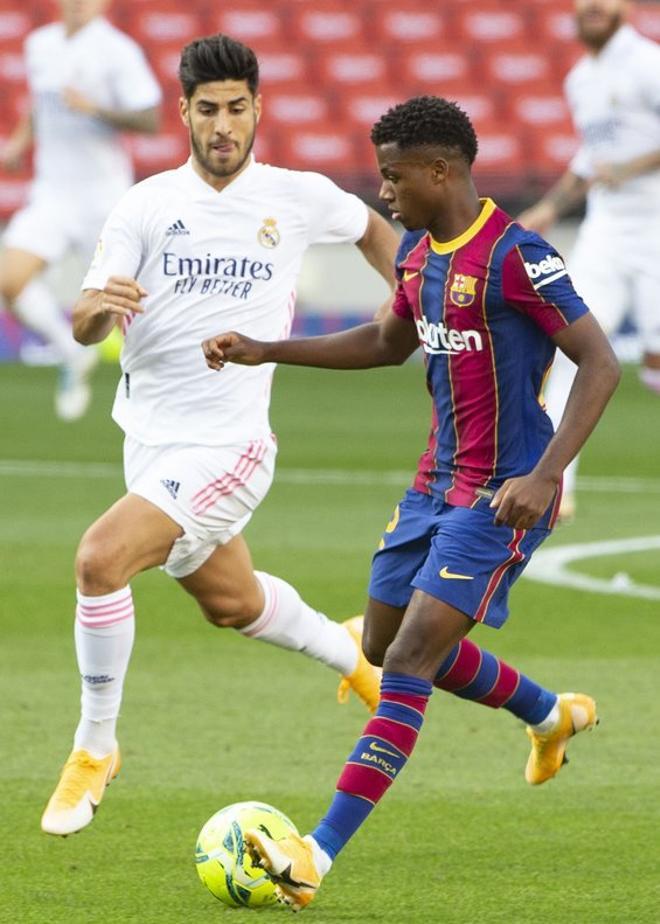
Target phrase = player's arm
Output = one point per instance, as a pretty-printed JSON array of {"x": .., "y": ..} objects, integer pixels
[
  {"x": 613, "y": 175},
  {"x": 146, "y": 121},
  {"x": 18, "y": 144},
  {"x": 96, "y": 311},
  {"x": 379, "y": 245},
  {"x": 386, "y": 343},
  {"x": 568, "y": 192}
]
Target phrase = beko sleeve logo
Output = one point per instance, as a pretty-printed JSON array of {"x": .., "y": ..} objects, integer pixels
[{"x": 548, "y": 269}]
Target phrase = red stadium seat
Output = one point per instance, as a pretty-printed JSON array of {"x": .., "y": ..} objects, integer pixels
[
  {"x": 153, "y": 153},
  {"x": 249, "y": 22},
  {"x": 12, "y": 67},
  {"x": 13, "y": 194},
  {"x": 321, "y": 147},
  {"x": 353, "y": 68},
  {"x": 494, "y": 22},
  {"x": 283, "y": 66},
  {"x": 396, "y": 24},
  {"x": 165, "y": 61},
  {"x": 329, "y": 23},
  {"x": 363, "y": 109},
  {"x": 155, "y": 26},
  {"x": 500, "y": 152},
  {"x": 539, "y": 109},
  {"x": 14, "y": 27},
  {"x": 646, "y": 18},
  {"x": 434, "y": 67},
  {"x": 299, "y": 107},
  {"x": 555, "y": 23},
  {"x": 550, "y": 152},
  {"x": 482, "y": 108},
  {"x": 519, "y": 65}
]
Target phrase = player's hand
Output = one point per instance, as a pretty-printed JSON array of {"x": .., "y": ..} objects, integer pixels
[
  {"x": 539, "y": 217},
  {"x": 79, "y": 102},
  {"x": 232, "y": 348},
  {"x": 521, "y": 502},
  {"x": 121, "y": 297}
]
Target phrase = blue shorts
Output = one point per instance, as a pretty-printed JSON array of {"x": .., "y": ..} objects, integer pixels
[{"x": 456, "y": 554}]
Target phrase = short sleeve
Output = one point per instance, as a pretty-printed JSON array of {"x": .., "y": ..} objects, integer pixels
[
  {"x": 119, "y": 250},
  {"x": 401, "y": 306},
  {"x": 581, "y": 164},
  {"x": 536, "y": 283},
  {"x": 135, "y": 86},
  {"x": 336, "y": 216}
]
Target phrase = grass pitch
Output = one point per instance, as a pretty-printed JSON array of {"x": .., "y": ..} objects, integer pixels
[{"x": 210, "y": 718}]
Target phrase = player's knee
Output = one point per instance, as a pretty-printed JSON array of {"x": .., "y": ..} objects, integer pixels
[
  {"x": 97, "y": 570},
  {"x": 10, "y": 289}
]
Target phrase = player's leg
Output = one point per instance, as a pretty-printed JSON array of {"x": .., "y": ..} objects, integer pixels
[
  {"x": 265, "y": 607},
  {"x": 599, "y": 278},
  {"x": 131, "y": 536},
  {"x": 35, "y": 238},
  {"x": 645, "y": 287},
  {"x": 430, "y": 629}
]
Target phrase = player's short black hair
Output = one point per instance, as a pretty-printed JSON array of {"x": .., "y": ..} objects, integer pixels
[
  {"x": 217, "y": 57},
  {"x": 425, "y": 121}
]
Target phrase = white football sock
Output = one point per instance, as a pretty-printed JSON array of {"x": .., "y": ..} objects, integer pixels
[
  {"x": 322, "y": 860},
  {"x": 557, "y": 390},
  {"x": 549, "y": 722},
  {"x": 287, "y": 621},
  {"x": 104, "y": 633},
  {"x": 37, "y": 307}
]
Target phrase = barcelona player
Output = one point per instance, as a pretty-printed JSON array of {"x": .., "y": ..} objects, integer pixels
[{"x": 488, "y": 301}]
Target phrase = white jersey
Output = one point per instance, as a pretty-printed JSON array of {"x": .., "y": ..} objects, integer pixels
[
  {"x": 78, "y": 156},
  {"x": 212, "y": 262},
  {"x": 614, "y": 98}
]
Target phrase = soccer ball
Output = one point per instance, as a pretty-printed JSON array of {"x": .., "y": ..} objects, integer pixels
[{"x": 222, "y": 860}]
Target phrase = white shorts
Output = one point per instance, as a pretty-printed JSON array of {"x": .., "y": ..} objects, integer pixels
[
  {"x": 210, "y": 491},
  {"x": 618, "y": 274},
  {"x": 50, "y": 226}
]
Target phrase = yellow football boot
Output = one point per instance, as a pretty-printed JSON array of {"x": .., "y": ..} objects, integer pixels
[
  {"x": 577, "y": 712},
  {"x": 79, "y": 791},
  {"x": 365, "y": 679},
  {"x": 289, "y": 862}
]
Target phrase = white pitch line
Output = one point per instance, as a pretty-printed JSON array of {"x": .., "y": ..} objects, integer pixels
[
  {"x": 35, "y": 468},
  {"x": 550, "y": 566}
]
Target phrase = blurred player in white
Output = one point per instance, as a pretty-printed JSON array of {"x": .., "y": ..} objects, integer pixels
[
  {"x": 614, "y": 96},
  {"x": 218, "y": 241},
  {"x": 88, "y": 83}
]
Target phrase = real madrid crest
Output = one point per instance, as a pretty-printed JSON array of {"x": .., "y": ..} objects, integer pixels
[
  {"x": 268, "y": 234},
  {"x": 463, "y": 290}
]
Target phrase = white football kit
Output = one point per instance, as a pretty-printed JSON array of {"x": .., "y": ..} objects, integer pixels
[
  {"x": 614, "y": 98},
  {"x": 81, "y": 167},
  {"x": 198, "y": 442}
]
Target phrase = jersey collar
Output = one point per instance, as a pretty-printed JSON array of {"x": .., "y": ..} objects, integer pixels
[
  {"x": 199, "y": 185},
  {"x": 487, "y": 209}
]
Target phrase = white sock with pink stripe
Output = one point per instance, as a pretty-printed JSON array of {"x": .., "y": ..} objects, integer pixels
[
  {"x": 287, "y": 621},
  {"x": 104, "y": 632}
]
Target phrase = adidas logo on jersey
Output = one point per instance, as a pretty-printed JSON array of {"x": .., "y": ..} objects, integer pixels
[
  {"x": 177, "y": 228},
  {"x": 547, "y": 270},
  {"x": 171, "y": 486},
  {"x": 436, "y": 338}
]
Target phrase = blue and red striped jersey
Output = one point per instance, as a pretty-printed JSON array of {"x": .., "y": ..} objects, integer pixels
[{"x": 486, "y": 306}]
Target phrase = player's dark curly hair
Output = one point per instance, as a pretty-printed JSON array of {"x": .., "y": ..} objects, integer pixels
[
  {"x": 217, "y": 57},
  {"x": 427, "y": 120}
]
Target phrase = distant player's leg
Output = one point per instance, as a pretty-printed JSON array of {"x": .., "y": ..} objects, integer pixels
[
  {"x": 265, "y": 607},
  {"x": 130, "y": 537},
  {"x": 599, "y": 278},
  {"x": 552, "y": 719},
  {"x": 297, "y": 865},
  {"x": 645, "y": 288},
  {"x": 27, "y": 295}
]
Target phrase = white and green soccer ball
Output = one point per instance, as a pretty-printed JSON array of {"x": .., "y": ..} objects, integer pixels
[{"x": 222, "y": 860}]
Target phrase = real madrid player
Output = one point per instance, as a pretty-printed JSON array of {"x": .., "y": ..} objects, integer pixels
[
  {"x": 614, "y": 96},
  {"x": 217, "y": 241},
  {"x": 88, "y": 84},
  {"x": 488, "y": 302}
]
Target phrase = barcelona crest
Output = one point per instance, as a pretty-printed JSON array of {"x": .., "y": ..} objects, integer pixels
[{"x": 463, "y": 290}]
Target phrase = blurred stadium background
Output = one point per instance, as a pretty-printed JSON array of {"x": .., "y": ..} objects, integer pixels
[{"x": 329, "y": 69}]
